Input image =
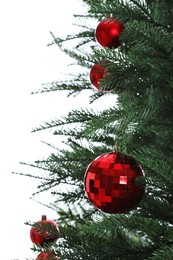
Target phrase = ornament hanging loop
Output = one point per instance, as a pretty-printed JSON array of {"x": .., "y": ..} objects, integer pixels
[{"x": 115, "y": 149}]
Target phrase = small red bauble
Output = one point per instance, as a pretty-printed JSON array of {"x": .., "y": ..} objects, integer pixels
[
  {"x": 108, "y": 33},
  {"x": 111, "y": 183},
  {"x": 97, "y": 72},
  {"x": 47, "y": 256},
  {"x": 44, "y": 232}
]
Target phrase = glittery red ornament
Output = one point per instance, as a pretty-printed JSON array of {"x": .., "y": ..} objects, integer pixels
[
  {"x": 47, "y": 256},
  {"x": 112, "y": 183},
  {"x": 108, "y": 33},
  {"x": 97, "y": 72},
  {"x": 44, "y": 232}
]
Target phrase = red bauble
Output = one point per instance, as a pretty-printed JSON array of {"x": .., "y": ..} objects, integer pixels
[
  {"x": 44, "y": 232},
  {"x": 111, "y": 183},
  {"x": 97, "y": 72},
  {"x": 108, "y": 33},
  {"x": 47, "y": 256}
]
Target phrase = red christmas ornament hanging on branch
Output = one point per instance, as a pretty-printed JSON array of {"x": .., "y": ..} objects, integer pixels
[
  {"x": 114, "y": 183},
  {"x": 97, "y": 73},
  {"x": 44, "y": 232},
  {"x": 47, "y": 256},
  {"x": 108, "y": 33}
]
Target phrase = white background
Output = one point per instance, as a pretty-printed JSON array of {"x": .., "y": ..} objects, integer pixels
[{"x": 25, "y": 63}]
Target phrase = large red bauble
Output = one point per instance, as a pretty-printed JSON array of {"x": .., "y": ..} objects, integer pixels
[
  {"x": 44, "y": 232},
  {"x": 47, "y": 256},
  {"x": 97, "y": 72},
  {"x": 108, "y": 33},
  {"x": 111, "y": 183}
]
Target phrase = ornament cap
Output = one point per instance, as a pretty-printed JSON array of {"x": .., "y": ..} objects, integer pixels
[
  {"x": 43, "y": 217},
  {"x": 116, "y": 149}
]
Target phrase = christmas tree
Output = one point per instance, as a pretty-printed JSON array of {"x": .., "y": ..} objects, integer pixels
[{"x": 137, "y": 75}]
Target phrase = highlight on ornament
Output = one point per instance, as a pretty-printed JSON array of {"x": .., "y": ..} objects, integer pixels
[
  {"x": 97, "y": 73},
  {"x": 44, "y": 231},
  {"x": 108, "y": 33},
  {"x": 114, "y": 183}
]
